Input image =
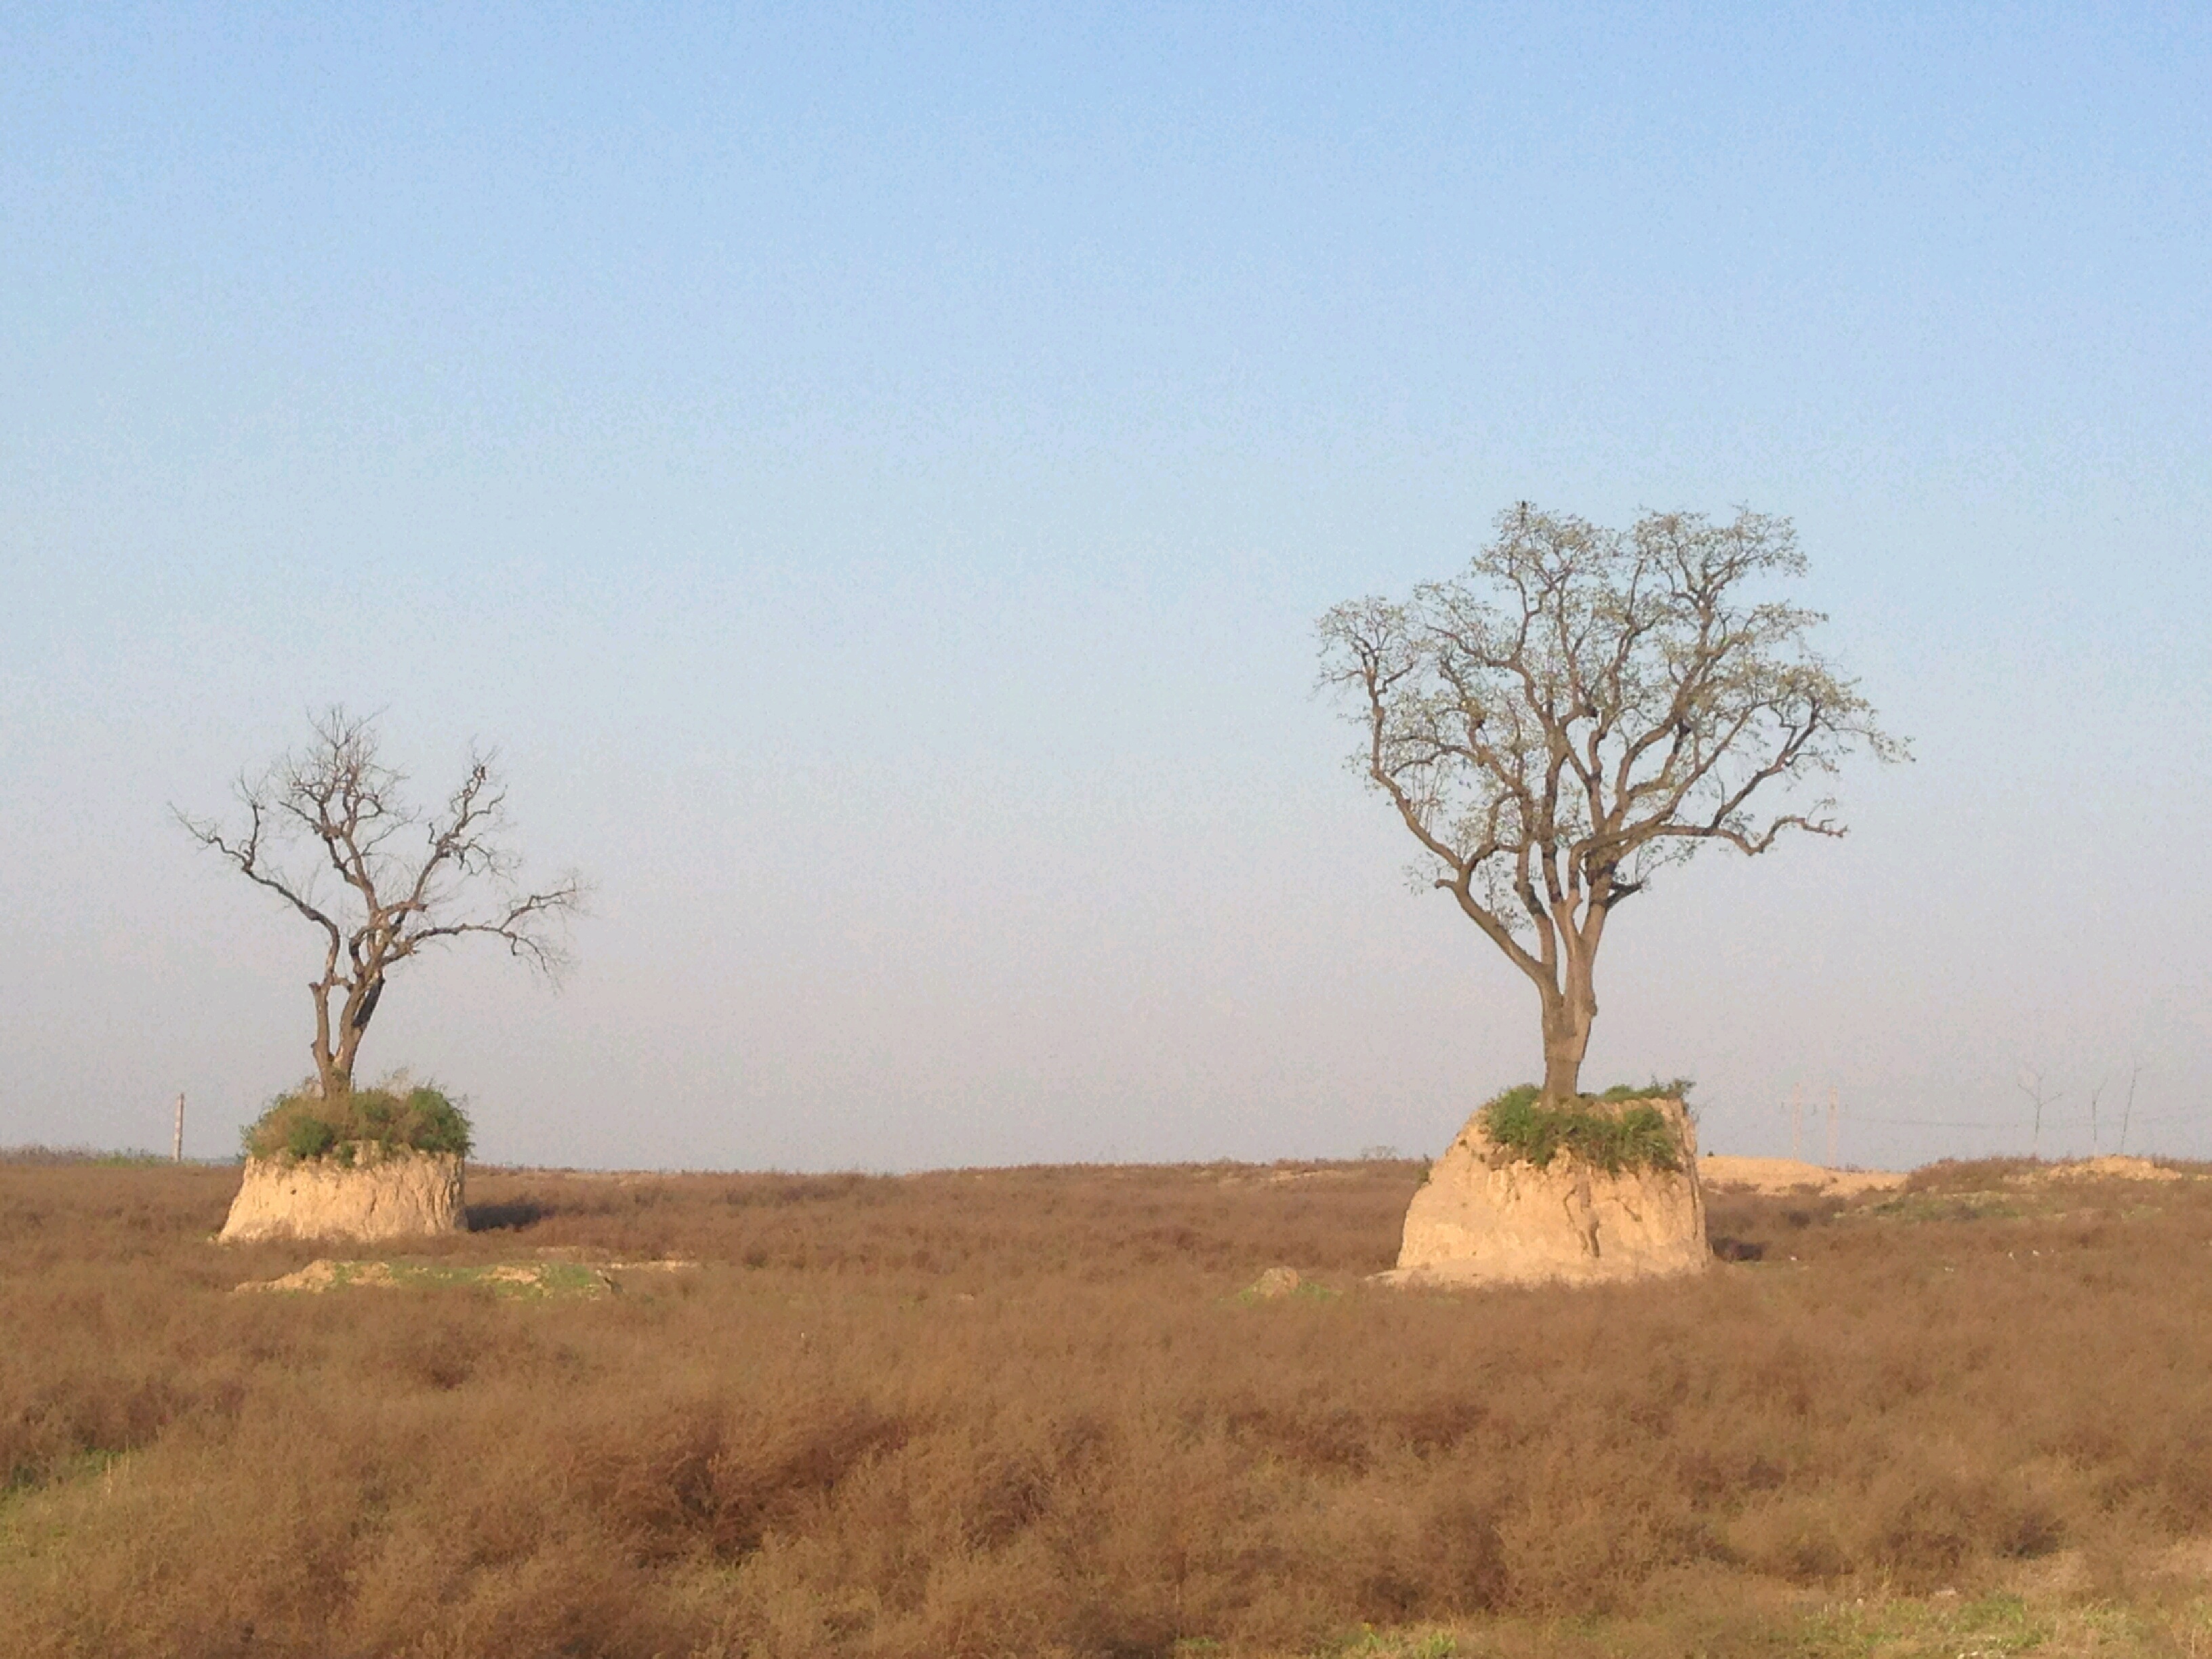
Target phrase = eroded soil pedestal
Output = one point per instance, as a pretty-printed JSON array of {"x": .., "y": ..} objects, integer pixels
[
  {"x": 1487, "y": 1217},
  {"x": 383, "y": 1195}
]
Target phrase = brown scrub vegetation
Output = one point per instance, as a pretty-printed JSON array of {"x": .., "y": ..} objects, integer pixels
[{"x": 1027, "y": 1411}]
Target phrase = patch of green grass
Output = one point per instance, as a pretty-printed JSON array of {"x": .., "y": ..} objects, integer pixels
[
  {"x": 1616, "y": 1131},
  {"x": 1305, "y": 1290},
  {"x": 544, "y": 1280},
  {"x": 1985, "y": 1628},
  {"x": 1368, "y": 1642},
  {"x": 400, "y": 1116},
  {"x": 1942, "y": 1626},
  {"x": 533, "y": 1283},
  {"x": 1672, "y": 1088},
  {"x": 1947, "y": 1207},
  {"x": 28, "y": 1478}
]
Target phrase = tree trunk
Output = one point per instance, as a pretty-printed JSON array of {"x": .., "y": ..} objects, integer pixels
[
  {"x": 1563, "y": 1057},
  {"x": 362, "y": 993},
  {"x": 333, "y": 1078},
  {"x": 1567, "y": 1018},
  {"x": 342, "y": 1062}
]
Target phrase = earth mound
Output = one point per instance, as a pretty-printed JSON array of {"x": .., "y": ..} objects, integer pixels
[
  {"x": 367, "y": 1192},
  {"x": 1790, "y": 1175},
  {"x": 2114, "y": 1166},
  {"x": 525, "y": 1280},
  {"x": 1492, "y": 1213}
]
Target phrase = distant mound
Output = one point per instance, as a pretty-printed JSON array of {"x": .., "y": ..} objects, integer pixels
[
  {"x": 2114, "y": 1166},
  {"x": 1790, "y": 1175},
  {"x": 521, "y": 1280}
]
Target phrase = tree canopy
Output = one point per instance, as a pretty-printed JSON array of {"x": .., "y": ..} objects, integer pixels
[
  {"x": 328, "y": 830},
  {"x": 1583, "y": 706}
]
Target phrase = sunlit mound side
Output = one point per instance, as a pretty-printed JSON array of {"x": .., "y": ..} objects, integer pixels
[
  {"x": 1596, "y": 1190},
  {"x": 370, "y": 1164}
]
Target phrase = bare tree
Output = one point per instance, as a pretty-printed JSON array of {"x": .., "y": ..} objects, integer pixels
[
  {"x": 1582, "y": 707},
  {"x": 326, "y": 829}
]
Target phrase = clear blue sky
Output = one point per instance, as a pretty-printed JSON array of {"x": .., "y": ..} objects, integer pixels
[{"x": 874, "y": 471}]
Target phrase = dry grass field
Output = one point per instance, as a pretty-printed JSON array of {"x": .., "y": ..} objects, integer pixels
[{"x": 1027, "y": 1412}]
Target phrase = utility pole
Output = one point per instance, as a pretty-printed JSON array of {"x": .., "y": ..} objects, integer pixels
[
  {"x": 1831, "y": 1126},
  {"x": 177, "y": 1153},
  {"x": 1796, "y": 1121}
]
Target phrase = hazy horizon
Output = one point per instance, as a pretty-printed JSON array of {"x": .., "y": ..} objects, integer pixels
[{"x": 874, "y": 477}]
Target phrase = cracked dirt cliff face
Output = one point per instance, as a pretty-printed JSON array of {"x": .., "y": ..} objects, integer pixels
[
  {"x": 396, "y": 1195},
  {"x": 1487, "y": 1217}
]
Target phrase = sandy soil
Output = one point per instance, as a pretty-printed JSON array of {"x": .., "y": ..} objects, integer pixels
[
  {"x": 2111, "y": 1167},
  {"x": 1790, "y": 1175}
]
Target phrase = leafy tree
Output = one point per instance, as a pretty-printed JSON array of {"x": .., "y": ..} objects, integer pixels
[
  {"x": 326, "y": 830},
  {"x": 1583, "y": 706}
]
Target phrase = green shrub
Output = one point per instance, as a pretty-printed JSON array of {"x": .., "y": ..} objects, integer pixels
[
  {"x": 307, "y": 1136},
  {"x": 1637, "y": 1136},
  {"x": 1673, "y": 1088},
  {"x": 399, "y": 1116}
]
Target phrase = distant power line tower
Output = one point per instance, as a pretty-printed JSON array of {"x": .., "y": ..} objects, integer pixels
[{"x": 2031, "y": 1084}]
